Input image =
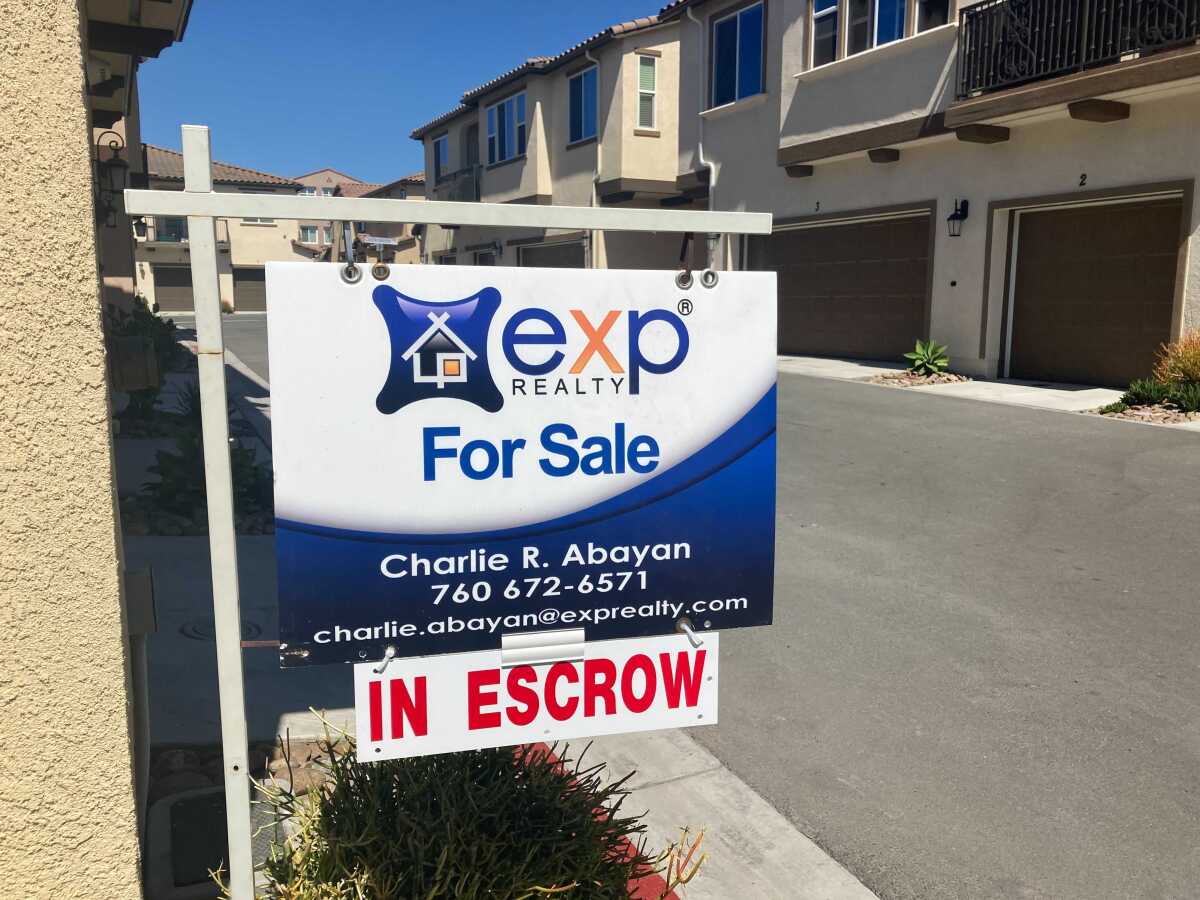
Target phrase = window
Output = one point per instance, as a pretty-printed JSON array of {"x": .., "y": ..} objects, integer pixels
[
  {"x": 308, "y": 234},
  {"x": 506, "y": 129},
  {"x": 308, "y": 192},
  {"x": 932, "y": 14},
  {"x": 889, "y": 21},
  {"x": 328, "y": 229},
  {"x": 326, "y": 192},
  {"x": 737, "y": 55},
  {"x": 171, "y": 228},
  {"x": 582, "y": 102},
  {"x": 441, "y": 157},
  {"x": 647, "y": 87},
  {"x": 825, "y": 31},
  {"x": 869, "y": 23}
]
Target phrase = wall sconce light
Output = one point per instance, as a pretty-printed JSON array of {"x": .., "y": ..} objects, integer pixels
[
  {"x": 112, "y": 176},
  {"x": 139, "y": 226},
  {"x": 955, "y": 219}
]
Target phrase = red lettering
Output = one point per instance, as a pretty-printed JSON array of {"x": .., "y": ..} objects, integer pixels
[
  {"x": 596, "y": 343},
  {"x": 561, "y": 672},
  {"x": 518, "y": 680},
  {"x": 404, "y": 706},
  {"x": 599, "y": 677},
  {"x": 476, "y": 697},
  {"x": 683, "y": 677},
  {"x": 375, "y": 706},
  {"x": 633, "y": 702}
]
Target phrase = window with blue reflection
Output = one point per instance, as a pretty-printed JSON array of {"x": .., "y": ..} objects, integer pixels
[
  {"x": 737, "y": 55},
  {"x": 889, "y": 21},
  {"x": 582, "y": 105}
]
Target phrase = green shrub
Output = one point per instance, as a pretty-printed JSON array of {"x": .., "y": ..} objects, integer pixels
[
  {"x": 1179, "y": 361},
  {"x": 1187, "y": 396},
  {"x": 180, "y": 489},
  {"x": 1119, "y": 407},
  {"x": 139, "y": 321},
  {"x": 1146, "y": 392},
  {"x": 501, "y": 824},
  {"x": 928, "y": 358}
]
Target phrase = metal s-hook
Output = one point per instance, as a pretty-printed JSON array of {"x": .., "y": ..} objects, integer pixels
[
  {"x": 388, "y": 655},
  {"x": 685, "y": 626},
  {"x": 683, "y": 280}
]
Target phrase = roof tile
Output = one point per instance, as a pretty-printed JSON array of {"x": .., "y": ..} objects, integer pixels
[{"x": 168, "y": 165}]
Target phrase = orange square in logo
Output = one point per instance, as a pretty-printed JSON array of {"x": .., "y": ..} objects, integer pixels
[{"x": 451, "y": 367}]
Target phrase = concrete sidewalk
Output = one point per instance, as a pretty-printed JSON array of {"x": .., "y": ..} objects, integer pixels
[{"x": 1041, "y": 395}]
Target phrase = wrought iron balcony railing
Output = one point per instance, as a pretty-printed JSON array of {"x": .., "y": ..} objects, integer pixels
[
  {"x": 1002, "y": 43},
  {"x": 462, "y": 185}
]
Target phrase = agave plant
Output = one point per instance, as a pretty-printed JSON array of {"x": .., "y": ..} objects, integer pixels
[{"x": 928, "y": 358}]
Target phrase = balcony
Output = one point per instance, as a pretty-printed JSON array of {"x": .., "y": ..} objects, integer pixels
[
  {"x": 461, "y": 186},
  {"x": 1004, "y": 43}
]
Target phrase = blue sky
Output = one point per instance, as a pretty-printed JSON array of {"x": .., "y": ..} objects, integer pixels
[{"x": 289, "y": 87}]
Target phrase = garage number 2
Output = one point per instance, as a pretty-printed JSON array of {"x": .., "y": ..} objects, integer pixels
[{"x": 1083, "y": 179}]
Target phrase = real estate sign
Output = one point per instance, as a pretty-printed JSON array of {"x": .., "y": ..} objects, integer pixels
[{"x": 462, "y": 453}]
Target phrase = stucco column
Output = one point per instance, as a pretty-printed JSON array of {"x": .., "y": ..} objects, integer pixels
[{"x": 66, "y": 781}]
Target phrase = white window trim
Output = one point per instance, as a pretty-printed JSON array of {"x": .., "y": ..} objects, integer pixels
[
  {"x": 596, "y": 125},
  {"x": 737, "y": 59},
  {"x": 256, "y": 220},
  {"x": 487, "y": 123},
  {"x": 316, "y": 232},
  {"x": 652, "y": 94}
]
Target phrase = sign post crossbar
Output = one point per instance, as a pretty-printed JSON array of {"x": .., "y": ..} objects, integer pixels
[{"x": 202, "y": 206}]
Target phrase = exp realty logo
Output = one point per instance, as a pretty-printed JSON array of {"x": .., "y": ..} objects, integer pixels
[{"x": 440, "y": 350}]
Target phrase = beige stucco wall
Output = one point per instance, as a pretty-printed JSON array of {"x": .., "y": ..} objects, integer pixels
[
  {"x": 66, "y": 781},
  {"x": 643, "y": 154}
]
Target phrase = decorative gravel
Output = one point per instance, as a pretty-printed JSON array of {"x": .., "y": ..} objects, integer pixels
[
  {"x": 912, "y": 379},
  {"x": 1160, "y": 414}
]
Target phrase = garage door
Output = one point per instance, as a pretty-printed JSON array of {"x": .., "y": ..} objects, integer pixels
[
  {"x": 1093, "y": 291},
  {"x": 558, "y": 256},
  {"x": 857, "y": 290},
  {"x": 249, "y": 289},
  {"x": 173, "y": 288}
]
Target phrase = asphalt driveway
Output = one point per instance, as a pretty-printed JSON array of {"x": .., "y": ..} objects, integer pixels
[{"x": 983, "y": 677}]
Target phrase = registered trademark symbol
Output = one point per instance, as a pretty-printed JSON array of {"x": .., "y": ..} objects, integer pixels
[{"x": 685, "y": 307}]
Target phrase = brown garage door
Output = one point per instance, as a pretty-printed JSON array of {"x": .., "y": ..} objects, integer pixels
[
  {"x": 1094, "y": 291},
  {"x": 173, "y": 288},
  {"x": 858, "y": 290},
  {"x": 559, "y": 256},
  {"x": 249, "y": 289}
]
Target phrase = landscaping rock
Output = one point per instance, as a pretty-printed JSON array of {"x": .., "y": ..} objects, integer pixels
[
  {"x": 912, "y": 379},
  {"x": 1159, "y": 414}
]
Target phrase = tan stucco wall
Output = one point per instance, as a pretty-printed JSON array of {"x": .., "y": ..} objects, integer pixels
[{"x": 66, "y": 781}]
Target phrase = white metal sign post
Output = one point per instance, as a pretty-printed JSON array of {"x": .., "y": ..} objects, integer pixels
[{"x": 202, "y": 206}]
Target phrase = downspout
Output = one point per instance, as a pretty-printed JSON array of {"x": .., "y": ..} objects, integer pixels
[
  {"x": 713, "y": 170},
  {"x": 592, "y": 235}
]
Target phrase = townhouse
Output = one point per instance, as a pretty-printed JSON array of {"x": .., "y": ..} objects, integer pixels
[
  {"x": 164, "y": 274},
  {"x": 595, "y": 124},
  {"x": 1012, "y": 177},
  {"x": 386, "y": 241}
]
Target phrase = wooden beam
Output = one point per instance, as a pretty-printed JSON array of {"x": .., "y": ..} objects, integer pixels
[
  {"x": 862, "y": 139},
  {"x": 883, "y": 155},
  {"x": 1098, "y": 110},
  {"x": 128, "y": 40},
  {"x": 799, "y": 171},
  {"x": 982, "y": 134}
]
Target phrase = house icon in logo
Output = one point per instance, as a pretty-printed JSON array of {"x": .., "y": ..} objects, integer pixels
[
  {"x": 439, "y": 349},
  {"x": 439, "y": 356}
]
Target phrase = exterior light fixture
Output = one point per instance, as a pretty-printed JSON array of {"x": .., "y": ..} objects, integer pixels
[
  {"x": 112, "y": 176},
  {"x": 139, "y": 226},
  {"x": 955, "y": 219}
]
